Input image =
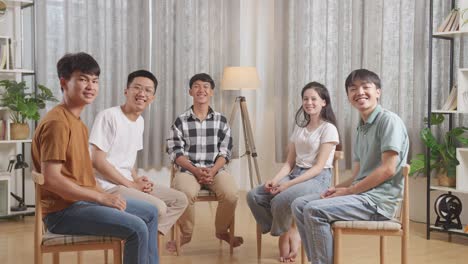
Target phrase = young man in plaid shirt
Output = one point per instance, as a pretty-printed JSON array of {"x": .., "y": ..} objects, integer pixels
[{"x": 200, "y": 144}]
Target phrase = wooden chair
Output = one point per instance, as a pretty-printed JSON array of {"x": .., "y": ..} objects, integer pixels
[
  {"x": 46, "y": 242},
  {"x": 204, "y": 195},
  {"x": 339, "y": 155},
  {"x": 379, "y": 228}
]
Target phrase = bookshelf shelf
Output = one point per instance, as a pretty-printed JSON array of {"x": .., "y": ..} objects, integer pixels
[
  {"x": 450, "y": 231},
  {"x": 450, "y": 34},
  {"x": 445, "y": 111},
  {"x": 15, "y": 71},
  {"x": 15, "y": 141}
]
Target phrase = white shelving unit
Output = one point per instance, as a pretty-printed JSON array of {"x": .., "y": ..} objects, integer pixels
[
  {"x": 17, "y": 36},
  {"x": 462, "y": 107}
]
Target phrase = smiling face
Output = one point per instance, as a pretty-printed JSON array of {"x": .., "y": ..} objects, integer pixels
[
  {"x": 140, "y": 93},
  {"x": 80, "y": 89},
  {"x": 364, "y": 96},
  {"x": 201, "y": 92},
  {"x": 312, "y": 103}
]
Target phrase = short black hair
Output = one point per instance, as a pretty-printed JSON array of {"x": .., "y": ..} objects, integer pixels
[
  {"x": 363, "y": 75},
  {"x": 80, "y": 61},
  {"x": 142, "y": 73},
  {"x": 204, "y": 77}
]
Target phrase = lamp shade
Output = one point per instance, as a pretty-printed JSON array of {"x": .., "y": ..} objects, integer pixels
[{"x": 240, "y": 78}]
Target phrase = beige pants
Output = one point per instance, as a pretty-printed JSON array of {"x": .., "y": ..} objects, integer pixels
[
  {"x": 171, "y": 203},
  {"x": 226, "y": 190}
]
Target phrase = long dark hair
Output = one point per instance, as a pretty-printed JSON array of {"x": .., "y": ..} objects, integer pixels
[{"x": 327, "y": 114}]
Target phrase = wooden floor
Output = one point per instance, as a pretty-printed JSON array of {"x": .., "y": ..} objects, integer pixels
[{"x": 16, "y": 244}]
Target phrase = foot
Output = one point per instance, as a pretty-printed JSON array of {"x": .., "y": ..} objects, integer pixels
[
  {"x": 237, "y": 240},
  {"x": 294, "y": 244},
  {"x": 171, "y": 245},
  {"x": 283, "y": 246}
]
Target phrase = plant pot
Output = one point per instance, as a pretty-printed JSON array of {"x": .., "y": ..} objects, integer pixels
[
  {"x": 19, "y": 131},
  {"x": 446, "y": 181}
]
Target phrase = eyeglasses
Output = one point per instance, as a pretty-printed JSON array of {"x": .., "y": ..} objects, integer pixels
[{"x": 148, "y": 91}]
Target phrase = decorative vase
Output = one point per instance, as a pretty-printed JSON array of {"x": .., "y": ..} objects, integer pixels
[
  {"x": 446, "y": 181},
  {"x": 19, "y": 131}
]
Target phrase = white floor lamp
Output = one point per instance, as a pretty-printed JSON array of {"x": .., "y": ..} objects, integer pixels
[{"x": 243, "y": 78}]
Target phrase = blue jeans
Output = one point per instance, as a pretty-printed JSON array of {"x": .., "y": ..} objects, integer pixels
[
  {"x": 314, "y": 216},
  {"x": 273, "y": 212},
  {"x": 138, "y": 225}
]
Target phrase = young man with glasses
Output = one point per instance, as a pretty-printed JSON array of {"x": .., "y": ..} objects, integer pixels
[{"x": 115, "y": 139}]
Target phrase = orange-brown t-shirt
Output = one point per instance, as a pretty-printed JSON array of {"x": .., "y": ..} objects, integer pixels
[{"x": 61, "y": 136}]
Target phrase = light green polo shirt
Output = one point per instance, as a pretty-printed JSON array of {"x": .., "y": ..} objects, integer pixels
[{"x": 382, "y": 131}]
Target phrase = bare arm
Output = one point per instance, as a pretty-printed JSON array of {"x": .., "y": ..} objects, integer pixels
[
  {"x": 382, "y": 173},
  {"x": 185, "y": 163},
  {"x": 288, "y": 165},
  {"x": 55, "y": 182},
  {"x": 348, "y": 182},
  {"x": 324, "y": 152},
  {"x": 107, "y": 170}
]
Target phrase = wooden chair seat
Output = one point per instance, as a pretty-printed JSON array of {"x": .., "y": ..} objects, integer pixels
[{"x": 51, "y": 239}]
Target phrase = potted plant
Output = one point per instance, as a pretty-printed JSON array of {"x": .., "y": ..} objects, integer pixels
[
  {"x": 23, "y": 105},
  {"x": 443, "y": 153}
]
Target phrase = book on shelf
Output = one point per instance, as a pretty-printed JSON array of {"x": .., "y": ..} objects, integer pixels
[
  {"x": 3, "y": 56},
  {"x": 451, "y": 22},
  {"x": 451, "y": 103},
  {"x": 443, "y": 25},
  {"x": 10, "y": 52},
  {"x": 2, "y": 129},
  {"x": 455, "y": 24}
]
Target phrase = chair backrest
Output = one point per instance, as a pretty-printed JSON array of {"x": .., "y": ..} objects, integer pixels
[
  {"x": 404, "y": 212},
  {"x": 339, "y": 155},
  {"x": 38, "y": 227}
]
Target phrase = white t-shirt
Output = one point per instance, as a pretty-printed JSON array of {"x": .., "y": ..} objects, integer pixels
[
  {"x": 120, "y": 138},
  {"x": 307, "y": 143}
]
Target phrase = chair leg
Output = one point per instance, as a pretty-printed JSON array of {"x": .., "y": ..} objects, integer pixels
[
  {"x": 176, "y": 237},
  {"x": 259, "y": 242},
  {"x": 160, "y": 246},
  {"x": 382, "y": 249},
  {"x": 336, "y": 245},
  {"x": 303, "y": 256},
  {"x": 404, "y": 248},
  {"x": 37, "y": 256},
  {"x": 79, "y": 256},
  {"x": 117, "y": 250},
  {"x": 55, "y": 258},
  {"x": 106, "y": 256},
  {"x": 231, "y": 236}
]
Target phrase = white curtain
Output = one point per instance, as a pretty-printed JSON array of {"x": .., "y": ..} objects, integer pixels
[
  {"x": 290, "y": 42},
  {"x": 173, "y": 39},
  {"x": 325, "y": 40}
]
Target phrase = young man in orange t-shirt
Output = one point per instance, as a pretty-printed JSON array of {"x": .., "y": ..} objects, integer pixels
[{"x": 73, "y": 204}]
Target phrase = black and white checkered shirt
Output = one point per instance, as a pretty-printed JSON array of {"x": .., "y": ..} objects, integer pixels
[{"x": 202, "y": 142}]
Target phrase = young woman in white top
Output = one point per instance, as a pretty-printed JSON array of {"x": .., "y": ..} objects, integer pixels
[{"x": 306, "y": 171}]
